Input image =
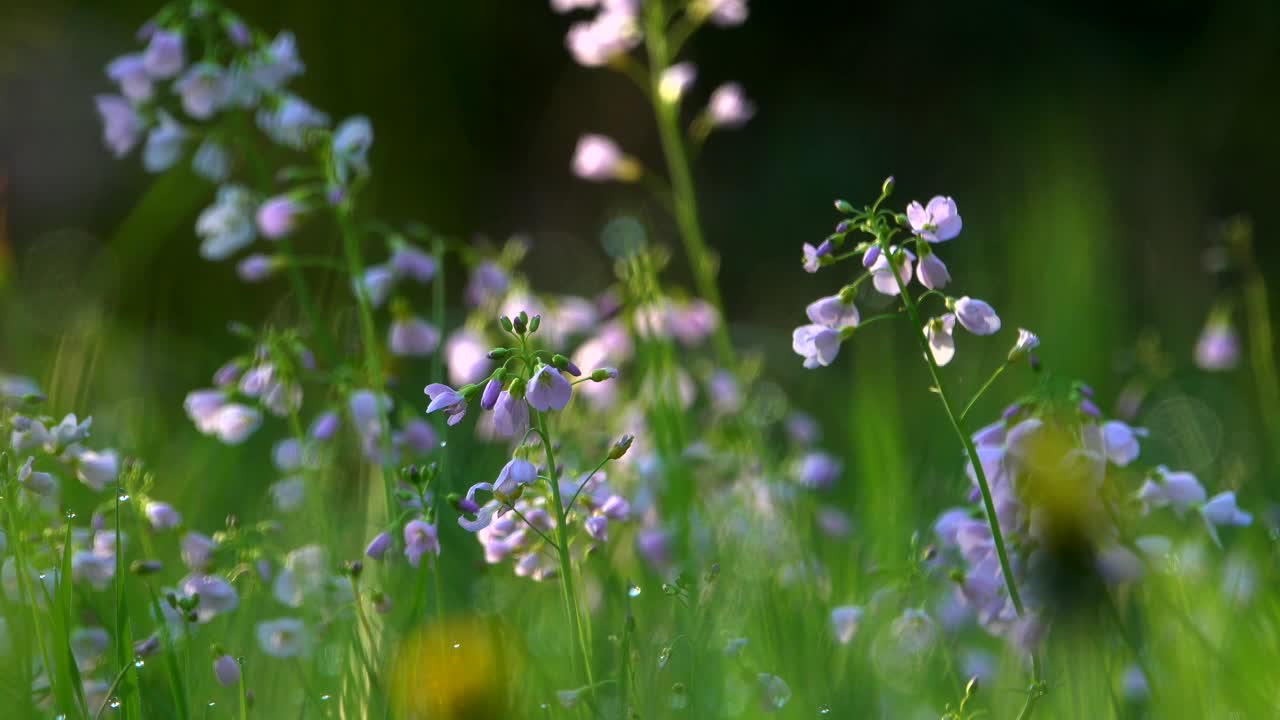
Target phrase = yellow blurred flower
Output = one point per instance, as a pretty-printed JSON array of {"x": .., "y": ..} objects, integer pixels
[{"x": 456, "y": 670}]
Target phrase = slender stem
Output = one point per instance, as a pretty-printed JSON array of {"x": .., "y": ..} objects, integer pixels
[
  {"x": 562, "y": 549},
  {"x": 982, "y": 390},
  {"x": 534, "y": 528},
  {"x": 578, "y": 492},
  {"x": 987, "y": 502},
  {"x": 684, "y": 198},
  {"x": 369, "y": 339},
  {"x": 111, "y": 691}
]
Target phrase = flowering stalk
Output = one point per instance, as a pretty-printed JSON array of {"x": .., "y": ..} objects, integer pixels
[
  {"x": 684, "y": 197},
  {"x": 562, "y": 547},
  {"x": 971, "y": 451}
]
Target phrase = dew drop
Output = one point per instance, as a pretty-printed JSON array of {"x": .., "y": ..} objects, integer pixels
[
  {"x": 122, "y": 497},
  {"x": 71, "y": 515},
  {"x": 325, "y": 698},
  {"x": 213, "y": 704},
  {"x": 114, "y": 703},
  {"x": 824, "y": 709},
  {"x": 633, "y": 590},
  {"x": 457, "y": 645},
  {"x": 664, "y": 657},
  {"x": 444, "y": 443},
  {"x": 139, "y": 662}
]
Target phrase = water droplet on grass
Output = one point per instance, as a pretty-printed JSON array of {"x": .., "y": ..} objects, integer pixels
[{"x": 633, "y": 590}]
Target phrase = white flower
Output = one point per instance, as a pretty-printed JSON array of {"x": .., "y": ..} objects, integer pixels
[
  {"x": 96, "y": 469},
  {"x": 942, "y": 343}
]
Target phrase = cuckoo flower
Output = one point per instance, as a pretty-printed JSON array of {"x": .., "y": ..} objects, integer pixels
[
  {"x": 598, "y": 158},
  {"x": 729, "y": 107},
  {"x": 936, "y": 222},
  {"x": 548, "y": 390},
  {"x": 446, "y": 398},
  {"x": 977, "y": 316}
]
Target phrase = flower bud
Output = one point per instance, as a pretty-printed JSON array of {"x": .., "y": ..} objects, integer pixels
[
  {"x": 521, "y": 323},
  {"x": 226, "y": 670},
  {"x": 844, "y": 206},
  {"x": 886, "y": 189},
  {"x": 499, "y": 353},
  {"x": 621, "y": 447},
  {"x": 602, "y": 374},
  {"x": 143, "y": 568},
  {"x": 378, "y": 545},
  {"x": 505, "y": 322},
  {"x": 534, "y": 322}
]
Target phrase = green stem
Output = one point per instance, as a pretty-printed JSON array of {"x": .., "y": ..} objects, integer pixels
[
  {"x": 684, "y": 198},
  {"x": 972, "y": 452},
  {"x": 982, "y": 390},
  {"x": 562, "y": 550},
  {"x": 1258, "y": 317},
  {"x": 369, "y": 340}
]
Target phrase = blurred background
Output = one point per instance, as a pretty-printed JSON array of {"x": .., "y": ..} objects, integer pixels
[{"x": 1093, "y": 148}]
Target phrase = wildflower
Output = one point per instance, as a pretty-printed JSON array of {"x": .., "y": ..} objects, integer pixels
[
  {"x": 488, "y": 281},
  {"x": 597, "y": 527},
  {"x": 813, "y": 256},
  {"x": 40, "y": 483},
  {"x": 729, "y": 107},
  {"x": 1118, "y": 565},
  {"x": 226, "y": 226},
  {"x": 204, "y": 90},
  {"x": 932, "y": 272},
  {"x": 724, "y": 13},
  {"x": 413, "y": 336},
  {"x": 324, "y": 427},
  {"x": 598, "y": 159},
  {"x": 611, "y": 33},
  {"x": 1120, "y": 442},
  {"x": 845, "y": 621},
  {"x": 675, "y": 81},
  {"x": 96, "y": 469},
  {"x": 211, "y": 162},
  {"x": 162, "y": 516},
  {"x": 446, "y": 398},
  {"x": 882, "y": 276},
  {"x": 226, "y": 670},
  {"x": 942, "y": 344},
  {"x": 351, "y": 142},
  {"x": 818, "y": 471},
  {"x": 287, "y": 495},
  {"x": 409, "y": 261},
  {"x": 870, "y": 257},
  {"x": 87, "y": 647},
  {"x": 548, "y": 390},
  {"x": 376, "y": 284},
  {"x": 291, "y": 121},
  {"x": 131, "y": 74},
  {"x": 489, "y": 398},
  {"x": 1218, "y": 347},
  {"x": 833, "y": 312},
  {"x": 936, "y": 222},
  {"x": 1027, "y": 341},
  {"x": 120, "y": 123},
  {"x": 802, "y": 429},
  {"x": 420, "y": 539},
  {"x": 69, "y": 431},
  {"x": 378, "y": 546},
  {"x": 282, "y": 638},
  {"x": 510, "y": 414},
  {"x": 774, "y": 692},
  {"x": 164, "y": 144},
  {"x": 817, "y": 344},
  {"x": 234, "y": 423},
  {"x": 217, "y": 596},
  {"x": 163, "y": 57},
  {"x": 279, "y": 65},
  {"x": 1221, "y": 511},
  {"x": 197, "y": 551},
  {"x": 277, "y": 217},
  {"x": 98, "y": 571},
  {"x": 976, "y": 316},
  {"x": 419, "y": 437}
]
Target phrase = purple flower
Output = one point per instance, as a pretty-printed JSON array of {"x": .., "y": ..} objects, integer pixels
[
  {"x": 845, "y": 621},
  {"x": 597, "y": 527},
  {"x": 131, "y": 73},
  {"x": 120, "y": 124},
  {"x": 675, "y": 81},
  {"x": 376, "y": 284},
  {"x": 1218, "y": 347},
  {"x": 163, "y": 57},
  {"x": 162, "y": 516},
  {"x": 977, "y": 316},
  {"x": 882, "y": 276},
  {"x": 226, "y": 670},
  {"x": 291, "y": 122},
  {"x": 280, "y": 64},
  {"x": 729, "y": 106},
  {"x": 420, "y": 539},
  {"x": 818, "y": 471},
  {"x": 611, "y": 33},
  {"x": 446, "y": 398},
  {"x": 598, "y": 159},
  {"x": 489, "y": 398},
  {"x": 378, "y": 545},
  {"x": 257, "y": 267},
  {"x": 226, "y": 226},
  {"x": 40, "y": 483},
  {"x": 197, "y": 551},
  {"x": 723, "y": 13},
  {"x": 96, "y": 469},
  {"x": 813, "y": 256},
  {"x": 932, "y": 272},
  {"x": 510, "y": 414},
  {"x": 164, "y": 144},
  {"x": 413, "y": 336},
  {"x": 1221, "y": 511},
  {"x": 654, "y": 545},
  {"x": 205, "y": 90},
  {"x": 942, "y": 344},
  {"x": 1026, "y": 342},
  {"x": 817, "y": 344},
  {"x": 832, "y": 312},
  {"x": 467, "y": 357},
  {"x": 548, "y": 390},
  {"x": 277, "y": 217},
  {"x": 1120, "y": 442},
  {"x": 211, "y": 162},
  {"x": 325, "y": 426},
  {"x": 936, "y": 222},
  {"x": 418, "y": 436},
  {"x": 870, "y": 257},
  {"x": 217, "y": 596},
  {"x": 514, "y": 475},
  {"x": 409, "y": 261},
  {"x": 351, "y": 142},
  {"x": 802, "y": 429}
]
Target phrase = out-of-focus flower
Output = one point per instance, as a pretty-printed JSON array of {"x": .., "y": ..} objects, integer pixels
[
  {"x": 282, "y": 638},
  {"x": 408, "y": 261},
  {"x": 845, "y": 621},
  {"x": 818, "y": 470},
  {"x": 162, "y": 516},
  {"x": 1218, "y": 347},
  {"x": 351, "y": 142},
  {"x": 96, "y": 469},
  {"x": 211, "y": 162},
  {"x": 724, "y": 13},
  {"x": 279, "y": 64},
  {"x": 226, "y": 226},
  {"x": 217, "y": 596},
  {"x": 278, "y": 216},
  {"x": 1221, "y": 511},
  {"x": 257, "y": 267},
  {"x": 420, "y": 539},
  {"x": 598, "y": 158},
  {"x": 131, "y": 73},
  {"x": 413, "y": 336},
  {"x": 163, "y": 57},
  {"x": 120, "y": 123},
  {"x": 164, "y": 144},
  {"x": 226, "y": 670},
  {"x": 467, "y": 357},
  {"x": 291, "y": 121},
  {"x": 676, "y": 81},
  {"x": 729, "y": 106},
  {"x": 204, "y": 90},
  {"x": 613, "y": 32},
  {"x": 936, "y": 222}
]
